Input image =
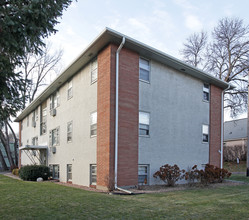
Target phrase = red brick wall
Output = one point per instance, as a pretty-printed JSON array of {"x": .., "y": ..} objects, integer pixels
[
  {"x": 128, "y": 117},
  {"x": 215, "y": 125}
]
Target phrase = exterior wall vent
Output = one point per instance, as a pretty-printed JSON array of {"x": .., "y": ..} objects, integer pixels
[{"x": 53, "y": 150}]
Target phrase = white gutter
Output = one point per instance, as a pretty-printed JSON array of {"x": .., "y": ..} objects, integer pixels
[
  {"x": 222, "y": 126},
  {"x": 116, "y": 117}
]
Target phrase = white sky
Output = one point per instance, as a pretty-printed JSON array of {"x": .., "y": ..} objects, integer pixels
[{"x": 163, "y": 24}]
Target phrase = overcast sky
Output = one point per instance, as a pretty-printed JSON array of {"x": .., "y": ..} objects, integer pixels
[{"x": 161, "y": 24}]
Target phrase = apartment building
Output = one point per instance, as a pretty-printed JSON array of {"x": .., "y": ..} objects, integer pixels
[{"x": 94, "y": 130}]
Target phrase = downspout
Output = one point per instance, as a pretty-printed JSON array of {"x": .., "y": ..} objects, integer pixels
[
  {"x": 116, "y": 113},
  {"x": 222, "y": 126}
]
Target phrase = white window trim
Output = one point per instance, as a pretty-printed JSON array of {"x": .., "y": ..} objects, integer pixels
[
  {"x": 207, "y": 90},
  {"x": 70, "y": 122},
  {"x": 92, "y": 183},
  {"x": 141, "y": 135},
  {"x": 70, "y": 180},
  {"x": 94, "y": 60},
  {"x": 69, "y": 86},
  {"x": 148, "y": 173},
  {"x": 205, "y": 142},
  {"x": 142, "y": 80},
  {"x": 95, "y": 135},
  {"x": 57, "y": 130}
]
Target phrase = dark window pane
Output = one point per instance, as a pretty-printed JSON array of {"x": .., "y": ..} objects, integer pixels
[{"x": 144, "y": 74}]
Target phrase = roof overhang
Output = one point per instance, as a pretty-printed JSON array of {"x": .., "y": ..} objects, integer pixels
[
  {"x": 33, "y": 147},
  {"x": 110, "y": 36}
]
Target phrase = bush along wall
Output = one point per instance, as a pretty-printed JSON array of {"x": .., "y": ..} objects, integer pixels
[{"x": 32, "y": 172}]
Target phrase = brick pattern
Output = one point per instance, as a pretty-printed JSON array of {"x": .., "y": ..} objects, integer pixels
[
  {"x": 215, "y": 125},
  {"x": 128, "y": 117}
]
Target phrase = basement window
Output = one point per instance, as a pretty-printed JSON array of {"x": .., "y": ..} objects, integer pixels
[
  {"x": 143, "y": 174},
  {"x": 93, "y": 174}
]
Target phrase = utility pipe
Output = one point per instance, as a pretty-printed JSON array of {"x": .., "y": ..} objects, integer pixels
[
  {"x": 222, "y": 126},
  {"x": 116, "y": 117}
]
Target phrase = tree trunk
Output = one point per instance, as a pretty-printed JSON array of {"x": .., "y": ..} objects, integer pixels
[
  {"x": 247, "y": 170},
  {"x": 2, "y": 161},
  {"x": 7, "y": 149},
  {"x": 15, "y": 144}
]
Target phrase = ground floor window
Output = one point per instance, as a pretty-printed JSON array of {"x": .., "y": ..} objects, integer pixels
[
  {"x": 93, "y": 174},
  {"x": 143, "y": 174},
  {"x": 55, "y": 171},
  {"x": 69, "y": 172}
]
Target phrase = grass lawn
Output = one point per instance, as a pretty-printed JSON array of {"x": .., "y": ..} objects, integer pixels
[
  {"x": 239, "y": 177},
  {"x": 234, "y": 167},
  {"x": 46, "y": 200}
]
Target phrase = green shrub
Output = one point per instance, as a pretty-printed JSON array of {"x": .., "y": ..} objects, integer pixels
[
  {"x": 169, "y": 174},
  {"x": 32, "y": 172},
  {"x": 15, "y": 171}
]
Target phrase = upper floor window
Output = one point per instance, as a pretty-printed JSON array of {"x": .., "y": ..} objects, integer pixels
[
  {"x": 54, "y": 137},
  {"x": 54, "y": 100},
  {"x": 94, "y": 70},
  {"x": 206, "y": 92},
  {"x": 43, "y": 126},
  {"x": 93, "y": 124},
  {"x": 144, "y": 123},
  {"x": 69, "y": 131},
  {"x": 144, "y": 70},
  {"x": 70, "y": 89},
  {"x": 205, "y": 133},
  {"x": 35, "y": 141}
]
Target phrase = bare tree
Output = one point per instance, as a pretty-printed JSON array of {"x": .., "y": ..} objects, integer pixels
[
  {"x": 35, "y": 69},
  {"x": 193, "y": 52},
  {"x": 227, "y": 57}
]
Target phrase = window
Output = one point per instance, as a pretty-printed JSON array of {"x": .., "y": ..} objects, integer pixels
[
  {"x": 70, "y": 90},
  {"x": 94, "y": 70},
  {"x": 43, "y": 128},
  {"x": 144, "y": 70},
  {"x": 205, "y": 132},
  {"x": 35, "y": 141},
  {"x": 54, "y": 137},
  {"x": 143, "y": 174},
  {"x": 206, "y": 92},
  {"x": 54, "y": 100},
  {"x": 55, "y": 171},
  {"x": 93, "y": 124},
  {"x": 69, "y": 172},
  {"x": 144, "y": 122},
  {"x": 93, "y": 174},
  {"x": 69, "y": 131}
]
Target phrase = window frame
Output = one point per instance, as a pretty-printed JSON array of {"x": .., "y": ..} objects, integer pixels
[
  {"x": 144, "y": 174},
  {"x": 149, "y": 70},
  {"x": 92, "y": 70},
  {"x": 91, "y": 174},
  {"x": 207, "y": 134},
  {"x": 69, "y": 173},
  {"x": 54, "y": 134},
  {"x": 93, "y": 125},
  {"x": 54, "y": 100},
  {"x": 43, "y": 122},
  {"x": 70, "y": 132},
  {"x": 52, "y": 171},
  {"x": 206, "y": 90},
  {"x": 144, "y": 135},
  {"x": 69, "y": 89}
]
